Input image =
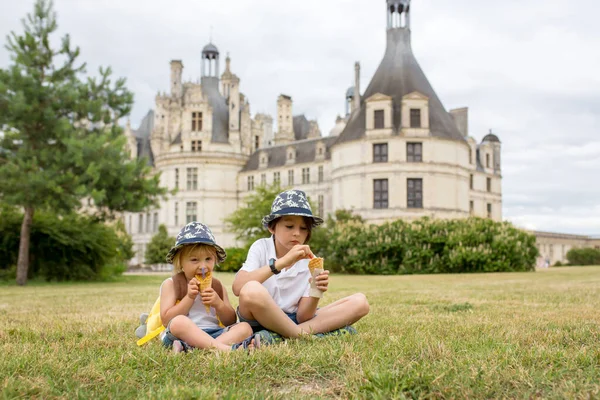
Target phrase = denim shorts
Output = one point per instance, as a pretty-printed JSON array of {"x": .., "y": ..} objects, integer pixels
[
  {"x": 169, "y": 338},
  {"x": 258, "y": 327}
]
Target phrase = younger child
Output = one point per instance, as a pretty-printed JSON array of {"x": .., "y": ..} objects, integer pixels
[
  {"x": 273, "y": 284},
  {"x": 189, "y": 323}
]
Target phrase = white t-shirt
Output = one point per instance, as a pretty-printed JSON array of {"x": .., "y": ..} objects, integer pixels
[
  {"x": 199, "y": 315},
  {"x": 286, "y": 288}
]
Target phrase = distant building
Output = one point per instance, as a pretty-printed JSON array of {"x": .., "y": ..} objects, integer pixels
[
  {"x": 553, "y": 247},
  {"x": 397, "y": 153}
]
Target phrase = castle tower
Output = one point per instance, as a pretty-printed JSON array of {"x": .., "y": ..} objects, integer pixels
[
  {"x": 230, "y": 88},
  {"x": 176, "y": 72},
  {"x": 285, "y": 122}
]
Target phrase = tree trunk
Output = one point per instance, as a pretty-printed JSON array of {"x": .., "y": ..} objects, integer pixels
[{"x": 23, "y": 262}]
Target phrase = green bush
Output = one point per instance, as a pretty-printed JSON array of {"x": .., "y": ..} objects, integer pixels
[
  {"x": 586, "y": 256},
  {"x": 71, "y": 247},
  {"x": 429, "y": 246},
  {"x": 159, "y": 246},
  {"x": 235, "y": 259}
]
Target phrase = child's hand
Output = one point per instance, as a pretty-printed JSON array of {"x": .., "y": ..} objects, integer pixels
[
  {"x": 297, "y": 253},
  {"x": 322, "y": 281},
  {"x": 211, "y": 298},
  {"x": 193, "y": 289}
]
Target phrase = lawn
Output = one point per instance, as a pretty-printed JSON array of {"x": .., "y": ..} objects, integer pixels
[{"x": 463, "y": 336}]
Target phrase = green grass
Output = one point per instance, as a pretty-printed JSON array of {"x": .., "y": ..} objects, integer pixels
[{"x": 463, "y": 336}]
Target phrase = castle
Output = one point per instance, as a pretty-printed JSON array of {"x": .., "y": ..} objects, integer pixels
[{"x": 397, "y": 153}]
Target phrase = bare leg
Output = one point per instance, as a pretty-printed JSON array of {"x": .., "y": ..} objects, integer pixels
[
  {"x": 183, "y": 328},
  {"x": 236, "y": 334},
  {"x": 256, "y": 303},
  {"x": 343, "y": 312}
]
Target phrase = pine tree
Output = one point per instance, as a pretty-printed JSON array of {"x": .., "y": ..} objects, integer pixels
[{"x": 61, "y": 140}]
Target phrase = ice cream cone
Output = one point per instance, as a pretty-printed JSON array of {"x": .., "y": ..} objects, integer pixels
[
  {"x": 204, "y": 282},
  {"x": 315, "y": 266}
]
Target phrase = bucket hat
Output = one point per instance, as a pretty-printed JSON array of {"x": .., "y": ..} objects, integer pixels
[
  {"x": 291, "y": 202},
  {"x": 195, "y": 232}
]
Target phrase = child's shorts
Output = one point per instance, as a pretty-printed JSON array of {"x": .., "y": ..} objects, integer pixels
[
  {"x": 168, "y": 338},
  {"x": 258, "y": 327}
]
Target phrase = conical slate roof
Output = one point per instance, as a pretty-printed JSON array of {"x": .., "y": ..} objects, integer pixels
[{"x": 398, "y": 75}]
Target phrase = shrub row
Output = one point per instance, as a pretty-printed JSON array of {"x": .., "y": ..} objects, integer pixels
[
  {"x": 429, "y": 247},
  {"x": 72, "y": 247},
  {"x": 587, "y": 256}
]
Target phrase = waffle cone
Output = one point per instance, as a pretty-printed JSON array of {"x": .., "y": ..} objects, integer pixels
[
  {"x": 205, "y": 283},
  {"x": 315, "y": 263}
]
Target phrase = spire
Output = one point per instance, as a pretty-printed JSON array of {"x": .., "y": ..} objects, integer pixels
[{"x": 398, "y": 14}]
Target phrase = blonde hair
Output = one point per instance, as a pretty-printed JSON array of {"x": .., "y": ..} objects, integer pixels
[{"x": 189, "y": 248}]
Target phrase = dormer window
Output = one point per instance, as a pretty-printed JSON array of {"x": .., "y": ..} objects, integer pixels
[
  {"x": 263, "y": 159},
  {"x": 379, "y": 114},
  {"x": 379, "y": 119},
  {"x": 415, "y": 113},
  {"x": 291, "y": 155},
  {"x": 196, "y": 121},
  {"x": 415, "y": 117},
  {"x": 320, "y": 151}
]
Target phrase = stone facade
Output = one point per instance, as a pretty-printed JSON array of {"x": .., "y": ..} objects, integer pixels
[{"x": 397, "y": 153}]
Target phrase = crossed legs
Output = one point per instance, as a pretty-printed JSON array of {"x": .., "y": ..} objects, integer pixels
[
  {"x": 183, "y": 328},
  {"x": 256, "y": 303}
]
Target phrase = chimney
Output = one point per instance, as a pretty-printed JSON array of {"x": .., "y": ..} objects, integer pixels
[
  {"x": 356, "y": 85},
  {"x": 461, "y": 119}
]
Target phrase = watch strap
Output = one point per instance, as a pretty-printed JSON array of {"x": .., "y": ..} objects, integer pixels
[{"x": 274, "y": 270}]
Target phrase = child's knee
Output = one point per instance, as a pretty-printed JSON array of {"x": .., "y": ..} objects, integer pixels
[
  {"x": 245, "y": 328},
  {"x": 361, "y": 304},
  {"x": 251, "y": 292},
  {"x": 178, "y": 324}
]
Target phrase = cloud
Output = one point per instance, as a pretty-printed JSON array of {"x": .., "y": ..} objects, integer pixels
[{"x": 525, "y": 68}]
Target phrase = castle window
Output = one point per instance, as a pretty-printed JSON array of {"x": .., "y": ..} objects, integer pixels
[
  {"x": 191, "y": 212},
  {"x": 471, "y": 207},
  {"x": 192, "y": 179},
  {"x": 489, "y": 184},
  {"x": 305, "y": 175},
  {"x": 140, "y": 223},
  {"x": 176, "y": 178},
  {"x": 321, "y": 202},
  {"x": 379, "y": 121},
  {"x": 415, "y": 193},
  {"x": 263, "y": 179},
  {"x": 196, "y": 121},
  {"x": 256, "y": 142},
  {"x": 380, "y": 153},
  {"x": 471, "y": 181},
  {"x": 148, "y": 223},
  {"x": 291, "y": 177},
  {"x": 276, "y": 177},
  {"x": 470, "y": 156},
  {"x": 250, "y": 183},
  {"x": 380, "y": 193},
  {"x": 487, "y": 160},
  {"x": 489, "y": 210},
  {"x": 196, "y": 145},
  {"x": 320, "y": 173},
  {"x": 414, "y": 152},
  {"x": 155, "y": 223},
  {"x": 176, "y": 214},
  {"x": 415, "y": 117}
]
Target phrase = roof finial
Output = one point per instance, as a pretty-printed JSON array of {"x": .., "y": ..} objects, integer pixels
[{"x": 210, "y": 37}]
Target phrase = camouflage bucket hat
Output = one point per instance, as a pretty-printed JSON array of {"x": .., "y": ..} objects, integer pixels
[
  {"x": 192, "y": 233},
  {"x": 291, "y": 202}
]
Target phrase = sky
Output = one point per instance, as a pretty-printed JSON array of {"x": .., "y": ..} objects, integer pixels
[{"x": 527, "y": 69}]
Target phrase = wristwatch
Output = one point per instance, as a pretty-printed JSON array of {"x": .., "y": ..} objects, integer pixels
[{"x": 272, "y": 266}]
